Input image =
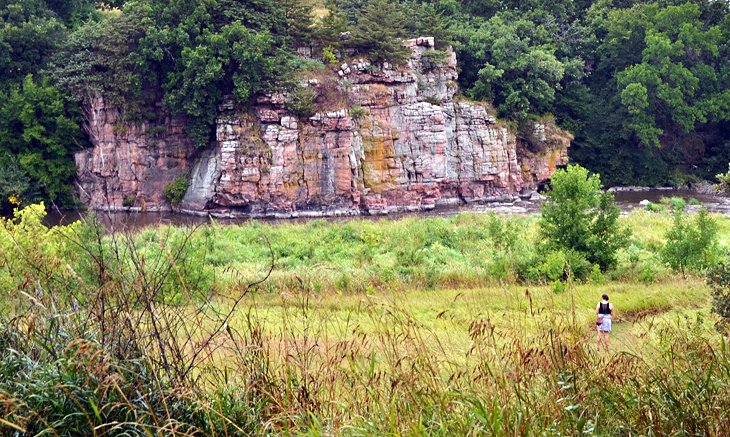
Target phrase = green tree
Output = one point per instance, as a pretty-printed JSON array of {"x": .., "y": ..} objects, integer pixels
[
  {"x": 38, "y": 135},
  {"x": 29, "y": 32},
  {"x": 512, "y": 67},
  {"x": 329, "y": 30},
  {"x": 674, "y": 84},
  {"x": 201, "y": 50},
  {"x": 578, "y": 216},
  {"x": 379, "y": 32},
  {"x": 299, "y": 22},
  {"x": 99, "y": 57},
  {"x": 15, "y": 184},
  {"x": 691, "y": 245}
]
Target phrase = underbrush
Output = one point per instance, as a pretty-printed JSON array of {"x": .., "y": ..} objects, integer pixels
[
  {"x": 108, "y": 333},
  {"x": 398, "y": 378}
]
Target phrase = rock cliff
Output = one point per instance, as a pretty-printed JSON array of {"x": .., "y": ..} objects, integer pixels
[{"x": 376, "y": 139}]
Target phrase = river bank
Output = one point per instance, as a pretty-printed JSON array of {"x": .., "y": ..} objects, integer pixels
[{"x": 629, "y": 199}]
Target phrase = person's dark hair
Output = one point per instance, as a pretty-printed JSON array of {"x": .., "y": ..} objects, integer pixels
[{"x": 605, "y": 297}]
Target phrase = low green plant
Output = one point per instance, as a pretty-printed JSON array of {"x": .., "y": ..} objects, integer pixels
[
  {"x": 718, "y": 278},
  {"x": 129, "y": 201},
  {"x": 654, "y": 207},
  {"x": 357, "y": 112},
  {"x": 674, "y": 203},
  {"x": 724, "y": 180},
  {"x": 175, "y": 190},
  {"x": 692, "y": 245},
  {"x": 301, "y": 102},
  {"x": 328, "y": 55}
]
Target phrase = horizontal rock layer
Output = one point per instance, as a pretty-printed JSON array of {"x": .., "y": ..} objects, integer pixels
[{"x": 381, "y": 139}]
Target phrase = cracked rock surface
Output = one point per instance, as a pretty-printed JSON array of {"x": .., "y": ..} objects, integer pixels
[{"x": 381, "y": 139}]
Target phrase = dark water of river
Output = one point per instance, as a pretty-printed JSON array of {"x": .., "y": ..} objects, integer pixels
[{"x": 626, "y": 200}]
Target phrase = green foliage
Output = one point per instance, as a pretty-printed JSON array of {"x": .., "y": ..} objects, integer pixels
[
  {"x": 432, "y": 59},
  {"x": 29, "y": 32},
  {"x": 129, "y": 201},
  {"x": 692, "y": 245},
  {"x": 379, "y": 31},
  {"x": 329, "y": 30},
  {"x": 516, "y": 67},
  {"x": 328, "y": 55},
  {"x": 718, "y": 277},
  {"x": 358, "y": 112},
  {"x": 724, "y": 180},
  {"x": 578, "y": 216},
  {"x": 175, "y": 190},
  {"x": 195, "y": 57},
  {"x": 675, "y": 85},
  {"x": 301, "y": 102},
  {"x": 654, "y": 207},
  {"x": 675, "y": 204},
  {"x": 299, "y": 23},
  {"x": 99, "y": 57},
  {"x": 39, "y": 132}
]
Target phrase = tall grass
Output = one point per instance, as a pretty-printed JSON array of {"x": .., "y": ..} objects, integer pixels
[{"x": 166, "y": 332}]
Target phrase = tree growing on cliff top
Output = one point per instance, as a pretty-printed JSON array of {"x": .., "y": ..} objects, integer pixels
[
  {"x": 379, "y": 31},
  {"x": 580, "y": 217}
]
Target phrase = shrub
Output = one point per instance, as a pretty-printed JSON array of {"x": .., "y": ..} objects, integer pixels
[
  {"x": 691, "y": 245},
  {"x": 432, "y": 59},
  {"x": 674, "y": 203},
  {"x": 724, "y": 180},
  {"x": 578, "y": 216},
  {"x": 654, "y": 207},
  {"x": 129, "y": 200},
  {"x": 328, "y": 55},
  {"x": 175, "y": 190},
  {"x": 719, "y": 280},
  {"x": 357, "y": 112},
  {"x": 301, "y": 102}
]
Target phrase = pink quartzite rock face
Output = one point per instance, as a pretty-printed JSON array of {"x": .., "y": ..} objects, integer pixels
[
  {"x": 390, "y": 139},
  {"x": 130, "y": 165}
]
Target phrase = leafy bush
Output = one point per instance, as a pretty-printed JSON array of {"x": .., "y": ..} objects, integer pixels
[
  {"x": 175, "y": 190},
  {"x": 693, "y": 245},
  {"x": 301, "y": 102},
  {"x": 675, "y": 204},
  {"x": 718, "y": 278},
  {"x": 724, "y": 180},
  {"x": 357, "y": 112},
  {"x": 432, "y": 59},
  {"x": 654, "y": 207},
  {"x": 129, "y": 201},
  {"x": 328, "y": 55},
  {"x": 40, "y": 133},
  {"x": 579, "y": 217}
]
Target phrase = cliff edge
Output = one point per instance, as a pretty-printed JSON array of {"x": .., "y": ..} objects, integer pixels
[{"x": 357, "y": 139}]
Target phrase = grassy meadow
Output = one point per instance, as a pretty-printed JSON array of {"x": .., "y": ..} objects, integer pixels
[{"x": 415, "y": 326}]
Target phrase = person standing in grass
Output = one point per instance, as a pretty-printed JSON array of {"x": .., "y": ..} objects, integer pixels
[{"x": 604, "y": 311}]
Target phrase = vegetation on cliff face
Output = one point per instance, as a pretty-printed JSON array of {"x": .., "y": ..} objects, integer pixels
[{"x": 643, "y": 85}]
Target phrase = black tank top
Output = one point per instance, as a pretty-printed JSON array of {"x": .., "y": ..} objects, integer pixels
[{"x": 604, "y": 308}]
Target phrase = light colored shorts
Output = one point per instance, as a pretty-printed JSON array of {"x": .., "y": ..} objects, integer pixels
[{"x": 606, "y": 325}]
